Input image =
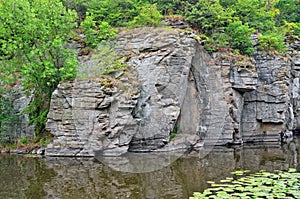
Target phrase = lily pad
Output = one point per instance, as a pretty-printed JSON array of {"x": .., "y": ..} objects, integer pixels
[
  {"x": 239, "y": 173},
  {"x": 292, "y": 170},
  {"x": 263, "y": 184}
]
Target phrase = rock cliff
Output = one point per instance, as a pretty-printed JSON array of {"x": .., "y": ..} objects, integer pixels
[
  {"x": 19, "y": 126},
  {"x": 175, "y": 95}
]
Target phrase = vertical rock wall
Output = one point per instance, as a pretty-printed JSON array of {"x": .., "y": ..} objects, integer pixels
[
  {"x": 19, "y": 126},
  {"x": 266, "y": 109},
  {"x": 176, "y": 96},
  {"x": 294, "y": 53},
  {"x": 163, "y": 61}
]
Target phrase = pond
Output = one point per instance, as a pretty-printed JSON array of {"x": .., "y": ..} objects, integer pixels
[{"x": 138, "y": 176}]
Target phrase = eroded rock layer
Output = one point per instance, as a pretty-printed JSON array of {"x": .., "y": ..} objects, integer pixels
[{"x": 175, "y": 95}]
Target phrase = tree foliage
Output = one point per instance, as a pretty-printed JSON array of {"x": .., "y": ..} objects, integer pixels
[
  {"x": 273, "y": 19},
  {"x": 259, "y": 14},
  {"x": 209, "y": 16},
  {"x": 240, "y": 36},
  {"x": 289, "y": 11},
  {"x": 78, "y": 6},
  {"x": 96, "y": 33},
  {"x": 31, "y": 47},
  {"x": 115, "y": 12},
  {"x": 33, "y": 34},
  {"x": 124, "y": 12},
  {"x": 271, "y": 42},
  {"x": 170, "y": 7},
  {"x": 148, "y": 16}
]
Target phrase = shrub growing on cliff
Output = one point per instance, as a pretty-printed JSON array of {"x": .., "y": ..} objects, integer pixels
[
  {"x": 208, "y": 16},
  {"x": 148, "y": 16},
  {"x": 240, "y": 35},
  {"x": 115, "y": 12},
  {"x": 169, "y": 7},
  {"x": 106, "y": 62},
  {"x": 31, "y": 47},
  {"x": 94, "y": 34},
  {"x": 259, "y": 14},
  {"x": 290, "y": 28},
  {"x": 271, "y": 42},
  {"x": 236, "y": 36},
  {"x": 289, "y": 11}
]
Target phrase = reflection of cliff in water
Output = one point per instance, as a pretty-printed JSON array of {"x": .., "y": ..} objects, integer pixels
[{"x": 88, "y": 178}]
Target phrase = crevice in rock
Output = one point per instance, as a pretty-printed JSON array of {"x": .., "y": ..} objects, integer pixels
[{"x": 213, "y": 101}]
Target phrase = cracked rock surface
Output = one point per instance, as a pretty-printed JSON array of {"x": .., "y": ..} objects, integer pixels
[{"x": 177, "y": 96}]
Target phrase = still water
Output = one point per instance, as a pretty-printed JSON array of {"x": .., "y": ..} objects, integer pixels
[{"x": 69, "y": 178}]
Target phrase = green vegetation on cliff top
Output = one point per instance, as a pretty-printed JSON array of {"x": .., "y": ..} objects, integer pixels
[{"x": 33, "y": 34}]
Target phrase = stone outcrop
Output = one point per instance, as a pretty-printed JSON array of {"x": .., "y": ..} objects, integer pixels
[
  {"x": 174, "y": 88},
  {"x": 266, "y": 109},
  {"x": 87, "y": 116},
  {"x": 294, "y": 53},
  {"x": 19, "y": 126}
]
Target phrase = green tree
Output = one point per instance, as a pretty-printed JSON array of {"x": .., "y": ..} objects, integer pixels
[
  {"x": 79, "y": 6},
  {"x": 167, "y": 7},
  {"x": 259, "y": 14},
  {"x": 31, "y": 48},
  {"x": 148, "y": 16},
  {"x": 208, "y": 15},
  {"x": 271, "y": 41},
  {"x": 115, "y": 12},
  {"x": 240, "y": 35},
  {"x": 227, "y": 3},
  {"x": 96, "y": 33},
  {"x": 289, "y": 11}
]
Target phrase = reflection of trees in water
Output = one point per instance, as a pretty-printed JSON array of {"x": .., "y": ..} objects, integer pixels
[{"x": 23, "y": 177}]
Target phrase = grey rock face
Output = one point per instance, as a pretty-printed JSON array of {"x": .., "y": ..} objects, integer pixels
[
  {"x": 19, "y": 126},
  {"x": 86, "y": 116},
  {"x": 294, "y": 52},
  {"x": 265, "y": 109},
  {"x": 176, "y": 90},
  {"x": 163, "y": 62},
  {"x": 243, "y": 79}
]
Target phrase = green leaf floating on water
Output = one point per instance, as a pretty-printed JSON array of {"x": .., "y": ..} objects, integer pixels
[
  {"x": 263, "y": 184},
  {"x": 226, "y": 180},
  {"x": 292, "y": 170},
  {"x": 240, "y": 173},
  {"x": 210, "y": 182}
]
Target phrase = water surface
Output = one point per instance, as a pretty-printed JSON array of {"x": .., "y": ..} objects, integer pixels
[{"x": 67, "y": 178}]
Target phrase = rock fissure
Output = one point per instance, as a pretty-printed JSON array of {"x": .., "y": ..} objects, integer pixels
[{"x": 174, "y": 84}]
